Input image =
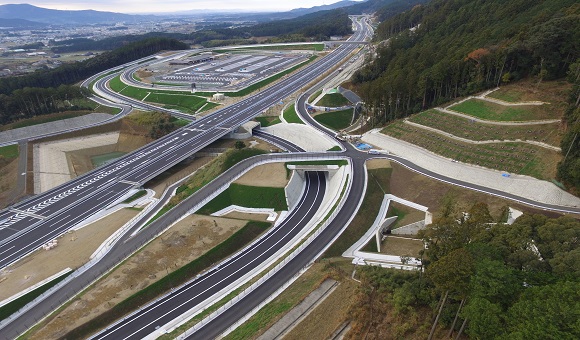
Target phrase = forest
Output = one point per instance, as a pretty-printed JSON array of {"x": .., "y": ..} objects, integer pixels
[
  {"x": 447, "y": 49},
  {"x": 482, "y": 278},
  {"x": 49, "y": 91}
]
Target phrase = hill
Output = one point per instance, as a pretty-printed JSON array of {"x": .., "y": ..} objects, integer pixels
[
  {"x": 447, "y": 49},
  {"x": 302, "y": 11},
  {"x": 20, "y": 23},
  {"x": 52, "y": 16}
]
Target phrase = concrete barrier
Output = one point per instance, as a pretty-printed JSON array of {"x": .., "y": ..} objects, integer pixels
[{"x": 294, "y": 190}]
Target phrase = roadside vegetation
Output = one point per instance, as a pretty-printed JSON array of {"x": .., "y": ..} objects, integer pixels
[
  {"x": 291, "y": 116},
  {"x": 135, "y": 196},
  {"x": 333, "y": 100},
  {"x": 268, "y": 121},
  {"x": 238, "y": 194},
  {"x": 187, "y": 103},
  {"x": 314, "y": 96},
  {"x": 9, "y": 152},
  {"x": 174, "y": 279},
  {"x": 13, "y": 306},
  {"x": 309, "y": 47},
  {"x": 159, "y": 124},
  {"x": 335, "y": 120},
  {"x": 276, "y": 309},
  {"x": 476, "y": 131},
  {"x": 377, "y": 187},
  {"x": 207, "y": 174},
  {"x": 519, "y": 158},
  {"x": 492, "y": 111}
]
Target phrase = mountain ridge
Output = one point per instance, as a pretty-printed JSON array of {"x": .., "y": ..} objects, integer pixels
[{"x": 54, "y": 16}]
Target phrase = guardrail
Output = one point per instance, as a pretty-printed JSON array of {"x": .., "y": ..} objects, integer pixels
[
  {"x": 253, "y": 162},
  {"x": 269, "y": 274}
]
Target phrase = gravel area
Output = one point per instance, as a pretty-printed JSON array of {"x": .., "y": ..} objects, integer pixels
[{"x": 524, "y": 186}]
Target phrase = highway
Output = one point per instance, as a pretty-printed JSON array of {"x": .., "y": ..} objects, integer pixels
[
  {"x": 147, "y": 320},
  {"x": 30, "y": 224},
  {"x": 127, "y": 244},
  {"x": 109, "y": 183}
]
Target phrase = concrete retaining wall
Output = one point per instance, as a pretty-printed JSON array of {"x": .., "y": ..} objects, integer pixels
[
  {"x": 294, "y": 190},
  {"x": 57, "y": 126},
  {"x": 334, "y": 188},
  {"x": 409, "y": 229},
  {"x": 51, "y": 166}
]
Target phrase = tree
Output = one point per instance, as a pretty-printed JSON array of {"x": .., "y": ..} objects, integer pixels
[
  {"x": 239, "y": 145},
  {"x": 484, "y": 321},
  {"x": 451, "y": 273},
  {"x": 549, "y": 312}
]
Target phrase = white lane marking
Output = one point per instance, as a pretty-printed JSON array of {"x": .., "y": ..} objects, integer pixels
[
  {"x": 227, "y": 264},
  {"x": 7, "y": 250}
]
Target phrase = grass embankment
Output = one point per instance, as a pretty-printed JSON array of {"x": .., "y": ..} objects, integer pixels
[
  {"x": 310, "y": 47},
  {"x": 476, "y": 131},
  {"x": 9, "y": 152},
  {"x": 182, "y": 101},
  {"x": 268, "y": 121},
  {"x": 333, "y": 100},
  {"x": 247, "y": 196},
  {"x": 378, "y": 180},
  {"x": 336, "y": 120},
  {"x": 11, "y": 307},
  {"x": 276, "y": 309},
  {"x": 135, "y": 196},
  {"x": 314, "y": 96},
  {"x": 335, "y": 148},
  {"x": 492, "y": 111},
  {"x": 53, "y": 117},
  {"x": 513, "y": 157},
  {"x": 291, "y": 116},
  {"x": 553, "y": 92},
  {"x": 141, "y": 94},
  {"x": 207, "y": 174},
  {"x": 234, "y": 243}
]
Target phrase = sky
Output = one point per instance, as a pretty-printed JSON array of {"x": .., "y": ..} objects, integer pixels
[{"x": 151, "y": 6}]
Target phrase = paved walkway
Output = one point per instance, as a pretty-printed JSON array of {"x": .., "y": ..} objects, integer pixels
[{"x": 524, "y": 186}]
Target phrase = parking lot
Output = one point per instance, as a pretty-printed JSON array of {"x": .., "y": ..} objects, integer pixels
[{"x": 228, "y": 72}]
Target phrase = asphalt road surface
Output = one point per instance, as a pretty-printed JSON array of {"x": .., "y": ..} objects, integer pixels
[
  {"x": 146, "y": 320},
  {"x": 32, "y": 223}
]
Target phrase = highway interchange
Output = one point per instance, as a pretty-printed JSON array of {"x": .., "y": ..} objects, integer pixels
[
  {"x": 34, "y": 222},
  {"x": 30, "y": 224}
]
